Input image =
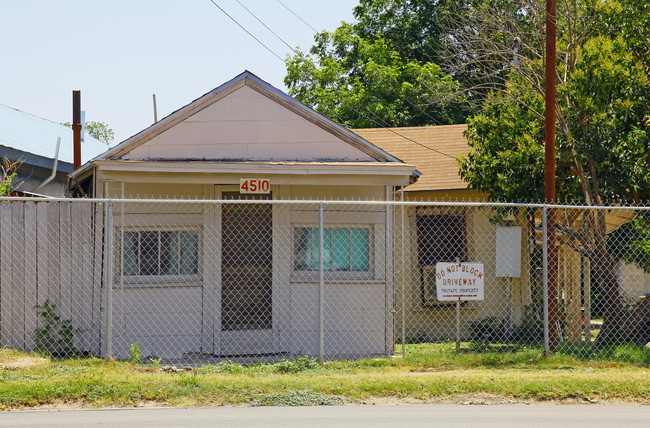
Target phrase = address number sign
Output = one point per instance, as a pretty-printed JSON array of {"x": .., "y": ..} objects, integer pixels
[{"x": 255, "y": 185}]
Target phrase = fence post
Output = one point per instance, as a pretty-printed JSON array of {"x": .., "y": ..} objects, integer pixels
[
  {"x": 321, "y": 281},
  {"x": 403, "y": 271},
  {"x": 108, "y": 314},
  {"x": 545, "y": 287}
]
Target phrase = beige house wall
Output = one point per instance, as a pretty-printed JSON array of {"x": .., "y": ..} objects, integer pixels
[
  {"x": 359, "y": 321},
  {"x": 505, "y": 298},
  {"x": 246, "y": 125}
]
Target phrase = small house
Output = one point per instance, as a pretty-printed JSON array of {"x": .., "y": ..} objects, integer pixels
[
  {"x": 242, "y": 278},
  {"x": 428, "y": 233},
  {"x": 509, "y": 248}
]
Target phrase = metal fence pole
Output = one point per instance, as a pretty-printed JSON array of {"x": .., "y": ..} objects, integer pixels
[
  {"x": 108, "y": 327},
  {"x": 403, "y": 269},
  {"x": 545, "y": 287},
  {"x": 321, "y": 281}
]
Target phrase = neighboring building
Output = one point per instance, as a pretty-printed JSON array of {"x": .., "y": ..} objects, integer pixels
[
  {"x": 249, "y": 285},
  {"x": 447, "y": 234},
  {"x": 32, "y": 140}
]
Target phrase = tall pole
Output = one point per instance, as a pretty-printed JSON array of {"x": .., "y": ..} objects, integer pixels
[
  {"x": 76, "y": 128},
  {"x": 321, "y": 285},
  {"x": 108, "y": 287},
  {"x": 549, "y": 167}
]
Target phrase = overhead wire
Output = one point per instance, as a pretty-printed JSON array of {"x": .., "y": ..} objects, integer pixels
[
  {"x": 376, "y": 122},
  {"x": 266, "y": 26},
  {"x": 247, "y": 32},
  {"x": 296, "y": 15}
]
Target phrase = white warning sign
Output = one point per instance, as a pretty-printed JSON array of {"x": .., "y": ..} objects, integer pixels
[{"x": 459, "y": 280}]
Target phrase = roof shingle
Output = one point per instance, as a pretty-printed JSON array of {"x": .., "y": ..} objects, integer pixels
[{"x": 439, "y": 166}]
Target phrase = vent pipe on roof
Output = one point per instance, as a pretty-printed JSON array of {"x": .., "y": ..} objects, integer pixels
[
  {"x": 155, "y": 110},
  {"x": 76, "y": 128}
]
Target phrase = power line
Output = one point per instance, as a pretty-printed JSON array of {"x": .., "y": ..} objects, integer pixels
[
  {"x": 406, "y": 99},
  {"x": 247, "y": 32},
  {"x": 296, "y": 15},
  {"x": 376, "y": 122},
  {"x": 401, "y": 135},
  {"x": 266, "y": 26}
]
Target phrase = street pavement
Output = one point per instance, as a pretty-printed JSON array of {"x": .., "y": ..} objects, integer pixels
[{"x": 372, "y": 416}]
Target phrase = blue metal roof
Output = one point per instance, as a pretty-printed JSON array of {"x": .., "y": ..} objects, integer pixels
[{"x": 33, "y": 135}]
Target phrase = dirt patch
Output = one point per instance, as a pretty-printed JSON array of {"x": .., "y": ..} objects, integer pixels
[
  {"x": 22, "y": 362},
  {"x": 470, "y": 398},
  {"x": 485, "y": 398},
  {"x": 477, "y": 398}
]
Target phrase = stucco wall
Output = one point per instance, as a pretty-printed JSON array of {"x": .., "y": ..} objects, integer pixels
[{"x": 504, "y": 298}]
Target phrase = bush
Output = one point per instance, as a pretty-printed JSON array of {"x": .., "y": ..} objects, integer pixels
[
  {"x": 56, "y": 337},
  {"x": 488, "y": 330},
  {"x": 530, "y": 331},
  {"x": 296, "y": 366}
]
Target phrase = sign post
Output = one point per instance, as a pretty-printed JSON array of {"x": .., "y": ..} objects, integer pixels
[{"x": 458, "y": 282}]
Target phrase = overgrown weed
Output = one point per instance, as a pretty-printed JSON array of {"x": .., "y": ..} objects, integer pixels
[{"x": 429, "y": 370}]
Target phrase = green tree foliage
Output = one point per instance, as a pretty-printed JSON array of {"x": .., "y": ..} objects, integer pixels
[
  {"x": 382, "y": 70},
  {"x": 631, "y": 242},
  {"x": 101, "y": 131},
  {"x": 602, "y": 138},
  {"x": 98, "y": 130},
  {"x": 8, "y": 172},
  {"x": 603, "y": 128}
]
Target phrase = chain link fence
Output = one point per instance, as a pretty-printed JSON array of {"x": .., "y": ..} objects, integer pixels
[{"x": 247, "y": 280}]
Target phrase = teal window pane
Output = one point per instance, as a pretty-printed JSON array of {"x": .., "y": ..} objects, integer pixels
[
  {"x": 130, "y": 253},
  {"x": 344, "y": 249},
  {"x": 327, "y": 257},
  {"x": 340, "y": 249},
  {"x": 327, "y": 249},
  {"x": 313, "y": 240},
  {"x": 360, "y": 249},
  {"x": 189, "y": 252}
]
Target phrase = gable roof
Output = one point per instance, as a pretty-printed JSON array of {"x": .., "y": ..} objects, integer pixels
[
  {"x": 33, "y": 139},
  {"x": 439, "y": 166},
  {"x": 252, "y": 83}
]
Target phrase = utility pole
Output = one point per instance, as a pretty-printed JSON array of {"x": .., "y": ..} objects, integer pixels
[
  {"x": 76, "y": 128},
  {"x": 549, "y": 169}
]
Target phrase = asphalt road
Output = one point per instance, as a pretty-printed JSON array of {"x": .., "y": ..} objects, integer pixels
[{"x": 378, "y": 416}]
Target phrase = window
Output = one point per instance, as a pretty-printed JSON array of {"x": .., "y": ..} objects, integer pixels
[
  {"x": 161, "y": 252},
  {"x": 344, "y": 249},
  {"x": 441, "y": 238}
]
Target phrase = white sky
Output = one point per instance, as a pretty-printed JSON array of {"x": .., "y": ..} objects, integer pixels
[{"x": 120, "y": 52}]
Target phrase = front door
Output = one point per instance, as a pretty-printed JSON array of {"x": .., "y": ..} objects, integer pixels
[{"x": 246, "y": 276}]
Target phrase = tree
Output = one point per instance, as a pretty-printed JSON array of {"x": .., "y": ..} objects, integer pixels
[
  {"x": 603, "y": 124},
  {"x": 382, "y": 70},
  {"x": 8, "y": 171},
  {"x": 99, "y": 130}
]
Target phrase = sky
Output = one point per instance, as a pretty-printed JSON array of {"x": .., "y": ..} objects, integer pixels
[{"x": 120, "y": 52}]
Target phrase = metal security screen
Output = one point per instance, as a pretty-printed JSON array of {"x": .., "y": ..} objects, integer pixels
[{"x": 247, "y": 262}]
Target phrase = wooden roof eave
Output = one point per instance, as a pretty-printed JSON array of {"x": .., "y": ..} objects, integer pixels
[{"x": 271, "y": 167}]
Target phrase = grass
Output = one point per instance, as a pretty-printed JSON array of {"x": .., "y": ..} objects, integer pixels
[{"x": 429, "y": 372}]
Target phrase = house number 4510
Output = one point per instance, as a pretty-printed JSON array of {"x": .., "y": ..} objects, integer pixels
[{"x": 255, "y": 185}]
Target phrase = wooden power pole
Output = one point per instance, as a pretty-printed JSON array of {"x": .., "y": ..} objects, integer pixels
[{"x": 549, "y": 169}]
